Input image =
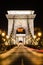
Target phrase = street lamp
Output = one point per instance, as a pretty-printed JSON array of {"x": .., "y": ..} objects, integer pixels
[
  {"x": 39, "y": 34},
  {"x": 3, "y": 34},
  {"x": 7, "y": 37}
]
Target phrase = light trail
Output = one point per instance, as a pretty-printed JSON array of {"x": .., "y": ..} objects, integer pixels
[{"x": 12, "y": 55}]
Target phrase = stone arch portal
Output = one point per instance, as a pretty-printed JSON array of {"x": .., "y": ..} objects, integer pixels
[
  {"x": 27, "y": 20},
  {"x": 20, "y": 35}
]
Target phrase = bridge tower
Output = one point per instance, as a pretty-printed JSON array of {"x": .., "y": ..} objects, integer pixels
[{"x": 20, "y": 24}]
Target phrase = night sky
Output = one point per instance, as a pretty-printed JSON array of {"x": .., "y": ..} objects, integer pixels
[{"x": 21, "y": 5}]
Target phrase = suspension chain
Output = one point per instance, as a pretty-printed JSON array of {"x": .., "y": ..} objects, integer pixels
[{"x": 32, "y": 39}]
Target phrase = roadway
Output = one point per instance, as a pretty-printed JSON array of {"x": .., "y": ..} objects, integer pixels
[{"x": 21, "y": 55}]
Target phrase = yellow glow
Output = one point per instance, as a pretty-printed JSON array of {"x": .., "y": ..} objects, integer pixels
[
  {"x": 4, "y": 39},
  {"x": 7, "y": 36},
  {"x": 34, "y": 36},
  {"x": 6, "y": 43},
  {"x": 3, "y": 34},
  {"x": 13, "y": 39},
  {"x": 38, "y": 39},
  {"x": 39, "y": 33}
]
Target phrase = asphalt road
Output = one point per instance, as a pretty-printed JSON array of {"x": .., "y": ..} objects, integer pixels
[{"x": 21, "y": 55}]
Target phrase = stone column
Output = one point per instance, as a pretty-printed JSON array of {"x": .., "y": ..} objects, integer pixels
[
  {"x": 10, "y": 23},
  {"x": 31, "y": 23}
]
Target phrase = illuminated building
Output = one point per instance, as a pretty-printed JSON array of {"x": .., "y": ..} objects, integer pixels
[{"x": 20, "y": 24}]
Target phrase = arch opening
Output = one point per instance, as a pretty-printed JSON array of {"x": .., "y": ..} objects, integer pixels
[{"x": 20, "y": 31}]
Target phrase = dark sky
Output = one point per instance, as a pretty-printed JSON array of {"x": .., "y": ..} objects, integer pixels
[{"x": 21, "y": 5}]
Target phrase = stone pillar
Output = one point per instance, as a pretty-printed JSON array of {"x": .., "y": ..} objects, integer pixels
[
  {"x": 31, "y": 23},
  {"x": 20, "y": 19},
  {"x": 10, "y": 23}
]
